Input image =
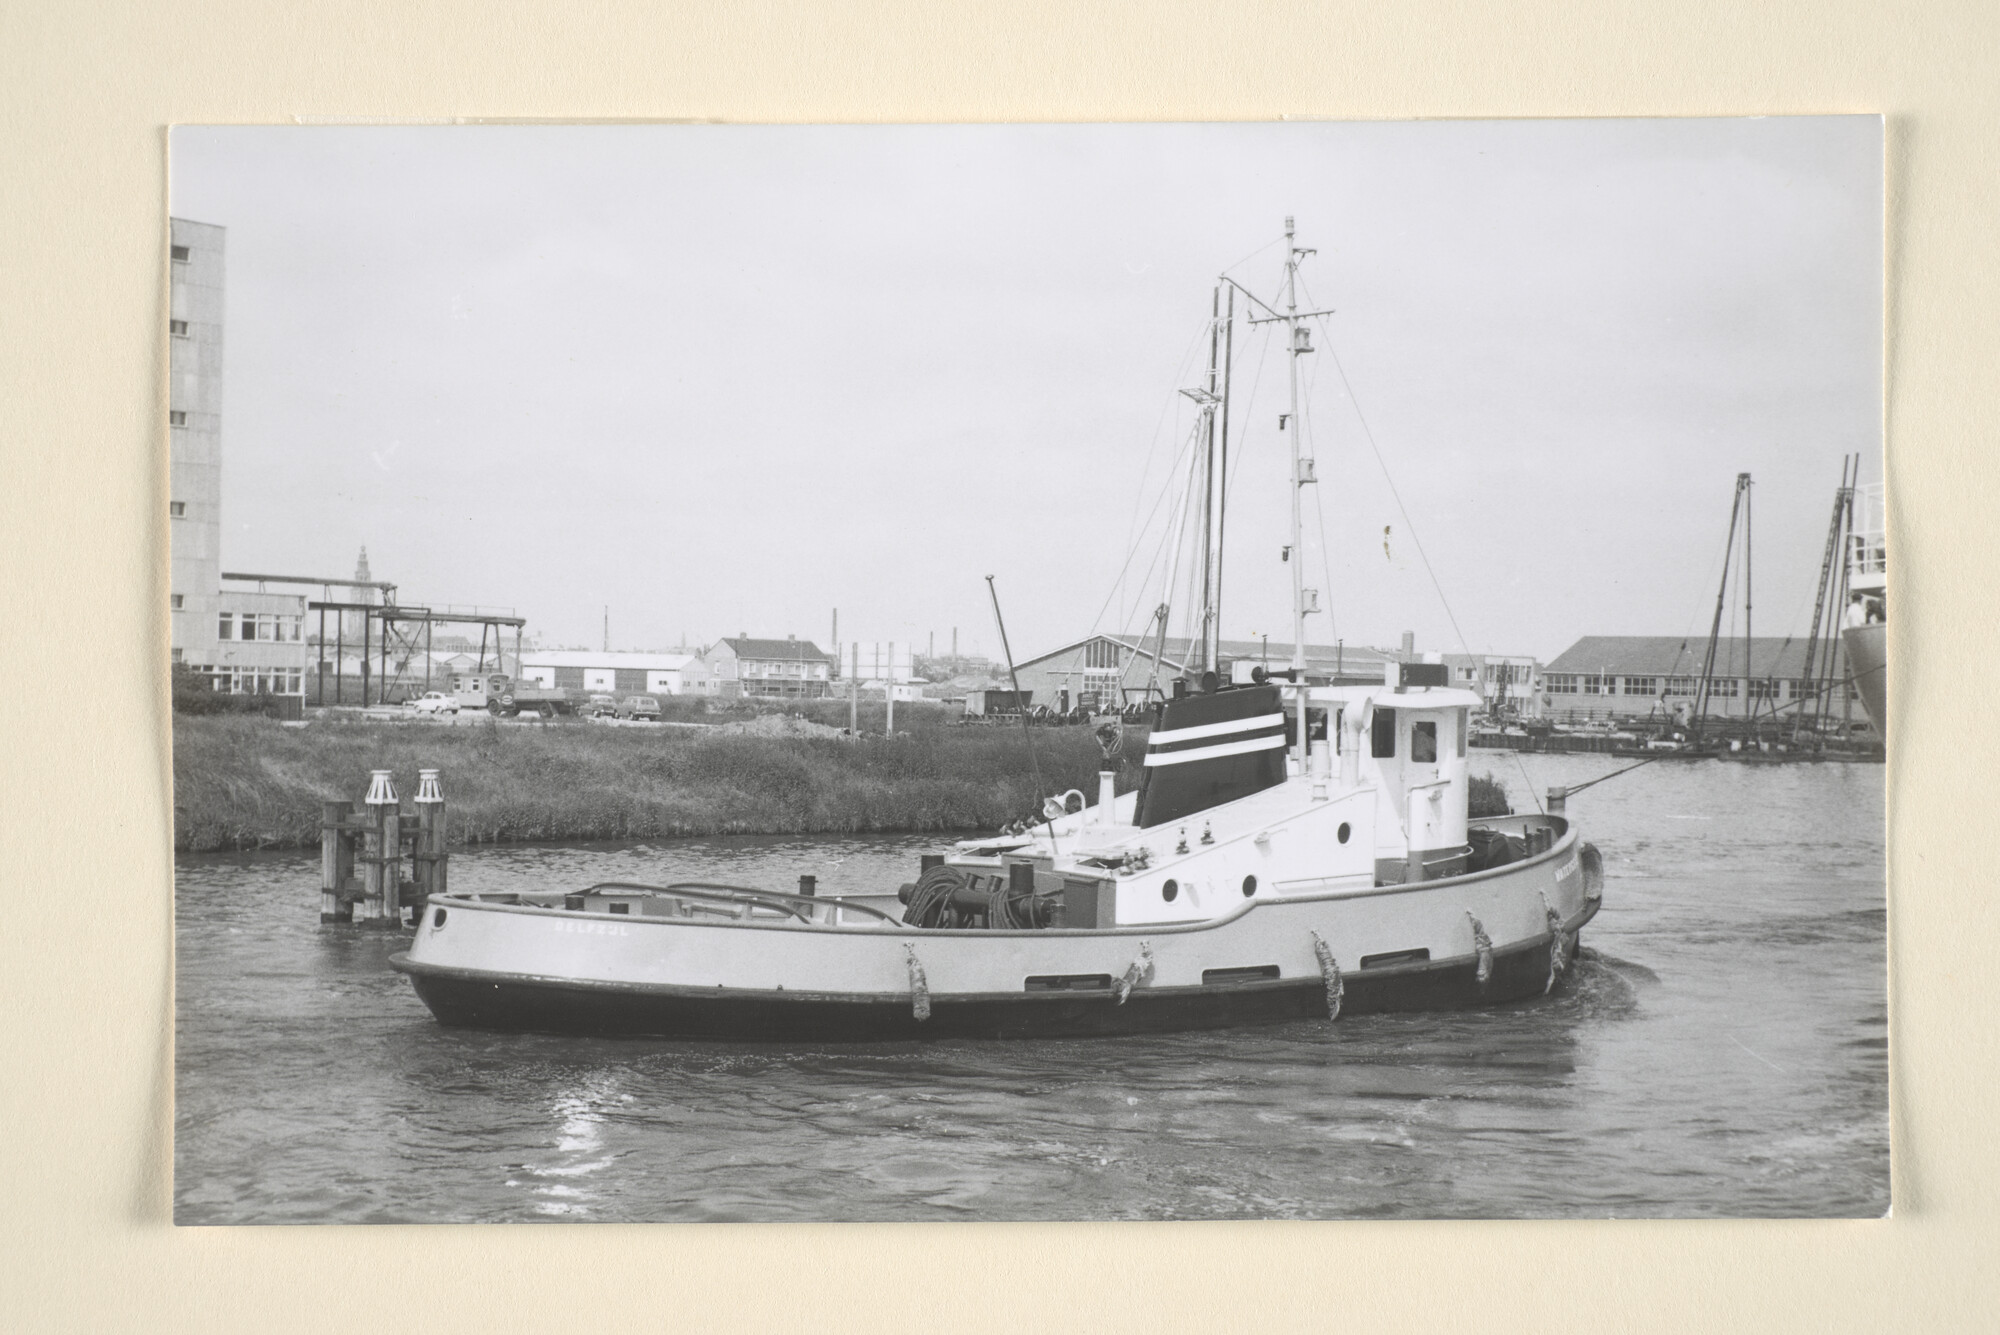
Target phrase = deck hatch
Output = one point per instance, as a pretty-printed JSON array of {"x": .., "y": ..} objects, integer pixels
[
  {"x": 1068, "y": 982},
  {"x": 1253, "y": 973}
]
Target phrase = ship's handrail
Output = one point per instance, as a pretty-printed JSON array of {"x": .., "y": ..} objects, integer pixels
[{"x": 802, "y": 907}]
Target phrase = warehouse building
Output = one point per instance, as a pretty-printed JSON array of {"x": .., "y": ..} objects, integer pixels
[
  {"x": 1640, "y": 676},
  {"x": 1108, "y": 671},
  {"x": 614, "y": 672}
]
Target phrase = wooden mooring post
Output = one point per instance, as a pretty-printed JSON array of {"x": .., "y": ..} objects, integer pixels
[
  {"x": 382, "y": 853},
  {"x": 427, "y": 855},
  {"x": 336, "y": 861},
  {"x": 376, "y": 843}
]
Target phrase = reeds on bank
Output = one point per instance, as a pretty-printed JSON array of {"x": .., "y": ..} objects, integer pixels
[
  {"x": 251, "y": 782},
  {"x": 246, "y": 782}
]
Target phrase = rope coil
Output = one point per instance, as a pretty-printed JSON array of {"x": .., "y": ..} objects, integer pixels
[
  {"x": 1329, "y": 970},
  {"x": 1482, "y": 946},
  {"x": 920, "y": 991}
]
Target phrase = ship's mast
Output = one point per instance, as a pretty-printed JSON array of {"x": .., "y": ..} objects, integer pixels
[
  {"x": 1705, "y": 690},
  {"x": 1205, "y": 662},
  {"x": 1222, "y": 482},
  {"x": 1297, "y": 343}
]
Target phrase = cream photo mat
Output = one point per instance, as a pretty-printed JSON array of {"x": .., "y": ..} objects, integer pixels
[{"x": 88, "y": 1045}]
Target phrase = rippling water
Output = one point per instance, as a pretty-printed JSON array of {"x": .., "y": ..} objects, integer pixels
[{"x": 1721, "y": 1050}]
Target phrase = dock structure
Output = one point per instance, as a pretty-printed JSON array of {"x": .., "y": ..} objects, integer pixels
[{"x": 377, "y": 843}]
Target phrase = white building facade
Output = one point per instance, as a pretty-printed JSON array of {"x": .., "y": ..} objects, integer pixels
[{"x": 612, "y": 672}]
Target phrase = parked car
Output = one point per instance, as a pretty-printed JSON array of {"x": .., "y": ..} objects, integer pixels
[
  {"x": 432, "y": 702},
  {"x": 640, "y": 707},
  {"x": 599, "y": 706}
]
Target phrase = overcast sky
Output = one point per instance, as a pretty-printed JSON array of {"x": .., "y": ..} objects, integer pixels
[{"x": 726, "y": 379}]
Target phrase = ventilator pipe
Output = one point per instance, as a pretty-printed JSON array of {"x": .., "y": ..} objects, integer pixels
[
  {"x": 1107, "y": 797},
  {"x": 1353, "y": 723}
]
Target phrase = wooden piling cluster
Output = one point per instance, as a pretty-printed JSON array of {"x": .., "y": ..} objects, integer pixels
[{"x": 377, "y": 843}]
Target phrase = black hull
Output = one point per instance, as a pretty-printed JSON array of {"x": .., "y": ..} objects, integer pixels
[{"x": 511, "y": 1003}]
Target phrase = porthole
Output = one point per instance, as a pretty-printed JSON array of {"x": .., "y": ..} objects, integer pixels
[
  {"x": 1342, "y": 833},
  {"x": 437, "y": 917},
  {"x": 1170, "y": 891},
  {"x": 1249, "y": 886}
]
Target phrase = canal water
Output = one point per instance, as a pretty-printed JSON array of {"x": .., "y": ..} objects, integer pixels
[{"x": 1721, "y": 1050}]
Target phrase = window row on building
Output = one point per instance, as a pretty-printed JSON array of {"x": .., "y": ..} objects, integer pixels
[
  {"x": 1755, "y": 688},
  {"x": 254, "y": 681},
  {"x": 754, "y": 668},
  {"x": 259, "y": 626}
]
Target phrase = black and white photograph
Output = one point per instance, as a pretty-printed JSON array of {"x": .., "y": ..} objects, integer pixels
[{"x": 917, "y": 673}]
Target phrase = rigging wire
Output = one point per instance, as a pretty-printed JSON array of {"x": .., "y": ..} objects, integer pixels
[
  {"x": 1132, "y": 550},
  {"x": 1253, "y": 254},
  {"x": 1368, "y": 434},
  {"x": 1133, "y": 533}
]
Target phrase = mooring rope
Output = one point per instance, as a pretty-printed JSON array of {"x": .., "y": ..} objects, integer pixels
[
  {"x": 1138, "y": 971},
  {"x": 1329, "y": 970},
  {"x": 1482, "y": 945},
  {"x": 920, "y": 991}
]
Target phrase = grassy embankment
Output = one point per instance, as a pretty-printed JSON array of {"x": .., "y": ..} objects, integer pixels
[{"x": 247, "y": 782}]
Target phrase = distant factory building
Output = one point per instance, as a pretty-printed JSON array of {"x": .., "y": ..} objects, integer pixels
[
  {"x": 248, "y": 642},
  {"x": 614, "y": 672},
  {"x": 790, "y": 668},
  {"x": 1509, "y": 682},
  {"x": 1108, "y": 671},
  {"x": 1636, "y": 676}
]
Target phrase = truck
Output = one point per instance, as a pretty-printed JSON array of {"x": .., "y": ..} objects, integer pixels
[{"x": 505, "y": 697}]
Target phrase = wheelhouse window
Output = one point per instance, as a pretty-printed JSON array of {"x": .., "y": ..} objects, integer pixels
[
  {"x": 180, "y": 253},
  {"x": 1424, "y": 742},
  {"x": 177, "y": 508},
  {"x": 175, "y": 417},
  {"x": 178, "y": 328},
  {"x": 1384, "y": 734}
]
